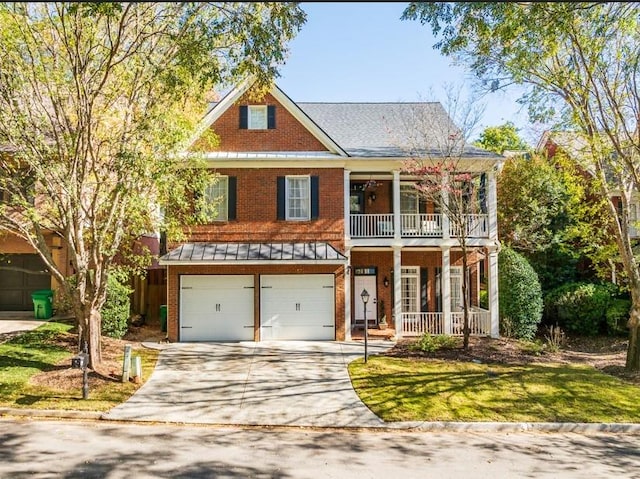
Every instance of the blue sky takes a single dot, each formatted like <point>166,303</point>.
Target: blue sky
<point>364,52</point>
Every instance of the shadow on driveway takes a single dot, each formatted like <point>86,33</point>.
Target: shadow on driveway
<point>292,383</point>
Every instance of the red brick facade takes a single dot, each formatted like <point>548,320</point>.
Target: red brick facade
<point>289,134</point>
<point>256,218</point>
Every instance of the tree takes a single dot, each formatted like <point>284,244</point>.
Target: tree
<point>580,63</point>
<point>547,211</point>
<point>501,138</point>
<point>96,99</point>
<point>443,177</point>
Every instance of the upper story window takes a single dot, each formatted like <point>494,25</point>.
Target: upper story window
<point>257,117</point>
<point>298,197</point>
<point>220,199</point>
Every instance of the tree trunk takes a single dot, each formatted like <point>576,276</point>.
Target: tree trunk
<point>89,332</point>
<point>466,330</point>
<point>633,350</point>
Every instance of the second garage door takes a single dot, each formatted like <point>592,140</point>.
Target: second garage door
<point>297,307</point>
<point>216,308</point>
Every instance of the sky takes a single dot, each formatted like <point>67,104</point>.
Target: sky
<point>363,52</point>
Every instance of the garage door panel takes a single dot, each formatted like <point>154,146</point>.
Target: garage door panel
<point>217,308</point>
<point>16,286</point>
<point>297,307</point>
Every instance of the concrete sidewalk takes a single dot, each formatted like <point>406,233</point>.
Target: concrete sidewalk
<point>292,383</point>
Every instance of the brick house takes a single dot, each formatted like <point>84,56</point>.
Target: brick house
<point>313,210</point>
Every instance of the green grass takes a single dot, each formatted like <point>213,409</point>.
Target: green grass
<point>409,390</point>
<point>41,350</point>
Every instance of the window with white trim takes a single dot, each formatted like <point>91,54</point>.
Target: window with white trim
<point>257,117</point>
<point>298,198</point>
<point>410,281</point>
<point>217,199</point>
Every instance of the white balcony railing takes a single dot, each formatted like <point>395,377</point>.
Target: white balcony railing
<point>417,324</point>
<point>371,226</point>
<point>477,226</point>
<point>414,225</point>
<point>421,225</point>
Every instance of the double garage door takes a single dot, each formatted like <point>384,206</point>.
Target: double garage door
<point>292,307</point>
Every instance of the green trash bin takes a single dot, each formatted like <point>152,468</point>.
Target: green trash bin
<point>163,318</point>
<point>42,303</point>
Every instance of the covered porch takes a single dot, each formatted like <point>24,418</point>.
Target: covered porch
<point>419,290</point>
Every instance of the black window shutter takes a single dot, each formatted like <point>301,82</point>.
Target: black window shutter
<point>483,193</point>
<point>424,297</point>
<point>244,117</point>
<point>232,181</point>
<point>271,117</point>
<point>281,198</point>
<point>315,197</point>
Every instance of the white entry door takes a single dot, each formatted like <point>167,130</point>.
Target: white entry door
<point>369,283</point>
<point>297,307</point>
<point>216,308</point>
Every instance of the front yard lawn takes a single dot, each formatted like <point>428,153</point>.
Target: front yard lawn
<point>35,371</point>
<point>407,389</point>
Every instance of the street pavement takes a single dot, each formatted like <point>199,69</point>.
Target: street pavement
<point>275,383</point>
<point>54,449</point>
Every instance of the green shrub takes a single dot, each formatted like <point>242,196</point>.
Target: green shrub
<point>617,316</point>
<point>579,307</point>
<point>430,344</point>
<point>520,295</point>
<point>116,309</point>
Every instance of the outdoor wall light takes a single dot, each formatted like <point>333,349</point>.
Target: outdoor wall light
<point>385,281</point>
<point>372,198</point>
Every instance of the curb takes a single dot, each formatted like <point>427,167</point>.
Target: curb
<point>458,427</point>
<point>51,413</point>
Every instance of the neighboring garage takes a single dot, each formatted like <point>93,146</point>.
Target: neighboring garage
<point>16,286</point>
<point>216,308</point>
<point>297,307</point>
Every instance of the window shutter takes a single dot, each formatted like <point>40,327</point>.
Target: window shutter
<point>231,197</point>
<point>244,117</point>
<point>281,198</point>
<point>483,193</point>
<point>424,303</point>
<point>315,197</point>
<point>271,117</point>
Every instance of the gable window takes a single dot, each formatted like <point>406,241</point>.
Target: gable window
<point>257,117</point>
<point>220,199</point>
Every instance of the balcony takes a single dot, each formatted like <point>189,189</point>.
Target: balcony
<point>413,226</point>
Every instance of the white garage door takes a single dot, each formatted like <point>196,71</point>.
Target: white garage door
<point>297,307</point>
<point>216,308</point>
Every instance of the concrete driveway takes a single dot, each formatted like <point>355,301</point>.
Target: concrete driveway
<point>292,383</point>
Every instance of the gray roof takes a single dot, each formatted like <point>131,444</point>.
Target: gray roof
<point>389,129</point>
<point>253,252</point>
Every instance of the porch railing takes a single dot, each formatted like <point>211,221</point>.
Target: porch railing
<point>371,226</point>
<point>479,323</point>
<point>476,226</point>
<point>414,225</point>
<point>417,324</point>
<point>422,225</point>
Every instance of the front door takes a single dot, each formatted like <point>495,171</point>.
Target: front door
<point>359,284</point>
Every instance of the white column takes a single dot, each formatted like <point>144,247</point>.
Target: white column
<point>397,233</point>
<point>445,288</point>
<point>444,210</point>
<point>493,292</point>
<point>347,296</point>
<point>492,205</point>
<point>397,289</point>
<point>347,206</point>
